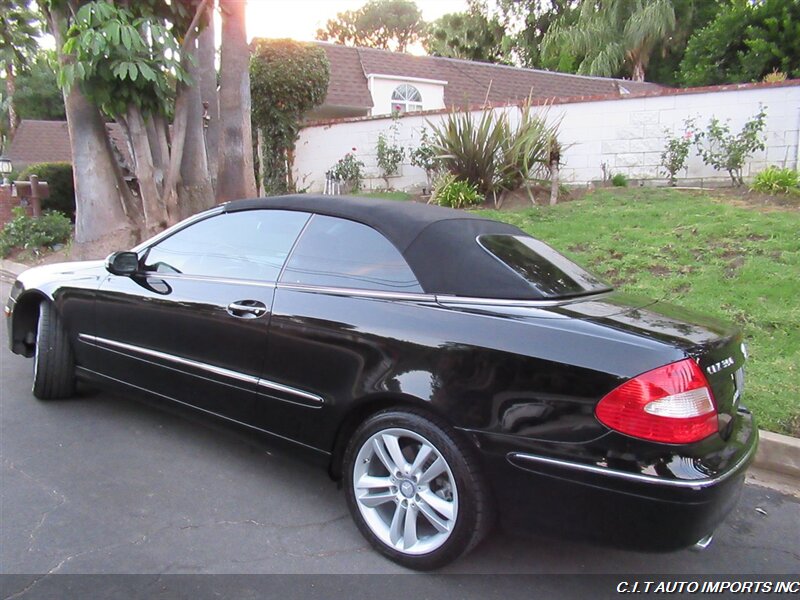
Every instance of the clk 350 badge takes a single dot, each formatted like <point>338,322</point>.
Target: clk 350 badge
<point>717,367</point>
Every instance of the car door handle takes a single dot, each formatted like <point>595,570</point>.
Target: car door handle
<point>247,309</point>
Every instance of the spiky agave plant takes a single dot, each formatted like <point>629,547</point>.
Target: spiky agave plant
<point>493,154</point>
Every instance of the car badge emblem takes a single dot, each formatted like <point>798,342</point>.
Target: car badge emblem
<point>718,366</point>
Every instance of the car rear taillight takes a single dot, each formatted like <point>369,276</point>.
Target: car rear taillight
<point>671,404</point>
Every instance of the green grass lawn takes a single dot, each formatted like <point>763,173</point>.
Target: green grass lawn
<point>738,263</point>
<point>386,195</point>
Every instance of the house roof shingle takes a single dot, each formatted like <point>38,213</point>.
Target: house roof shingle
<point>468,82</point>
<point>37,141</point>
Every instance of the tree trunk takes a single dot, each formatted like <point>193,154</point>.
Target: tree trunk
<point>207,80</point>
<point>553,182</point>
<point>260,155</point>
<point>155,215</point>
<point>195,192</point>
<point>11,88</point>
<point>235,178</point>
<point>100,191</point>
<point>638,70</point>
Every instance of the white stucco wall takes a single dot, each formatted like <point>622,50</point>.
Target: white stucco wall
<point>625,134</point>
<point>382,86</point>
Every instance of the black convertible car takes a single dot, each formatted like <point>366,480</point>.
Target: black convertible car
<point>448,368</point>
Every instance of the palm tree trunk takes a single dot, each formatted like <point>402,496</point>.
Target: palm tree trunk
<point>235,178</point>
<point>553,182</point>
<point>207,79</point>
<point>638,70</point>
<point>11,88</point>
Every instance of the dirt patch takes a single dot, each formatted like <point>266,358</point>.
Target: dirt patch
<point>733,267</point>
<point>745,197</point>
<point>659,270</point>
<point>578,248</point>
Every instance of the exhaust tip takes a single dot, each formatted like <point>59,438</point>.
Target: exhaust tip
<point>703,543</point>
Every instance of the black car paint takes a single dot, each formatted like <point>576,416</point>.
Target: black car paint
<point>516,378</point>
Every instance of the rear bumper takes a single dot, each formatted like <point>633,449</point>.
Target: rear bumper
<point>661,508</point>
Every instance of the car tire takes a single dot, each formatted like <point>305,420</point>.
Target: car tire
<point>415,489</point>
<point>53,362</point>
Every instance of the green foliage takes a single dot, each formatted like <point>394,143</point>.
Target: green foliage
<point>349,169</point>
<point>387,24</point>
<point>774,180</point>
<point>537,18</point>
<point>619,180</point>
<point>123,58</point>
<point>38,95</point>
<point>390,154</point>
<point>27,233</point>
<point>470,35</point>
<point>58,176</point>
<point>690,16</point>
<point>745,42</point>
<point>727,151</point>
<point>676,151</point>
<point>491,153</point>
<point>613,38</point>
<point>737,263</point>
<point>19,27</point>
<point>287,79</point>
<point>455,193</point>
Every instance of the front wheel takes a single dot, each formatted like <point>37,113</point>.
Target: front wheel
<point>53,363</point>
<point>415,490</point>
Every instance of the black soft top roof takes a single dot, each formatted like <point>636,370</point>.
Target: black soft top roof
<point>438,243</point>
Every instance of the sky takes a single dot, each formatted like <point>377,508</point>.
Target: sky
<point>300,19</point>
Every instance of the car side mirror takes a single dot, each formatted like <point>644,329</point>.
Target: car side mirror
<point>122,263</point>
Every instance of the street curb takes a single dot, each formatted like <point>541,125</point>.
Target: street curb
<point>776,453</point>
<point>12,267</point>
<point>779,454</point>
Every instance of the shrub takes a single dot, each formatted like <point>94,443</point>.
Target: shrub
<point>455,193</point>
<point>773,180</point>
<point>29,233</point>
<point>349,169</point>
<point>390,155</point>
<point>58,176</point>
<point>424,156</point>
<point>674,156</point>
<point>491,153</point>
<point>619,180</point>
<point>287,79</point>
<point>724,150</point>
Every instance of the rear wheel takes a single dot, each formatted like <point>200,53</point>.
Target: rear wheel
<point>414,489</point>
<point>53,363</point>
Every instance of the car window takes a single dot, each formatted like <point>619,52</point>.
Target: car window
<point>551,274</point>
<point>251,244</point>
<point>339,253</point>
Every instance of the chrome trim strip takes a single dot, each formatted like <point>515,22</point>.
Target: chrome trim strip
<point>693,484</point>
<point>445,299</point>
<point>376,294</point>
<point>95,340</point>
<point>210,412</point>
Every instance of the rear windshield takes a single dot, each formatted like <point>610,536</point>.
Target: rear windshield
<point>551,274</point>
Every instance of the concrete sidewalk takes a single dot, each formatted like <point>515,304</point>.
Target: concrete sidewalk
<point>777,463</point>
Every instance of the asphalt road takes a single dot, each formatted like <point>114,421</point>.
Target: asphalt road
<point>104,484</point>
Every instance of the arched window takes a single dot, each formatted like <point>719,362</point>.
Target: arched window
<point>406,98</point>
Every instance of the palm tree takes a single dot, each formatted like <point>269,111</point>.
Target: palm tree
<point>613,36</point>
<point>19,27</point>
